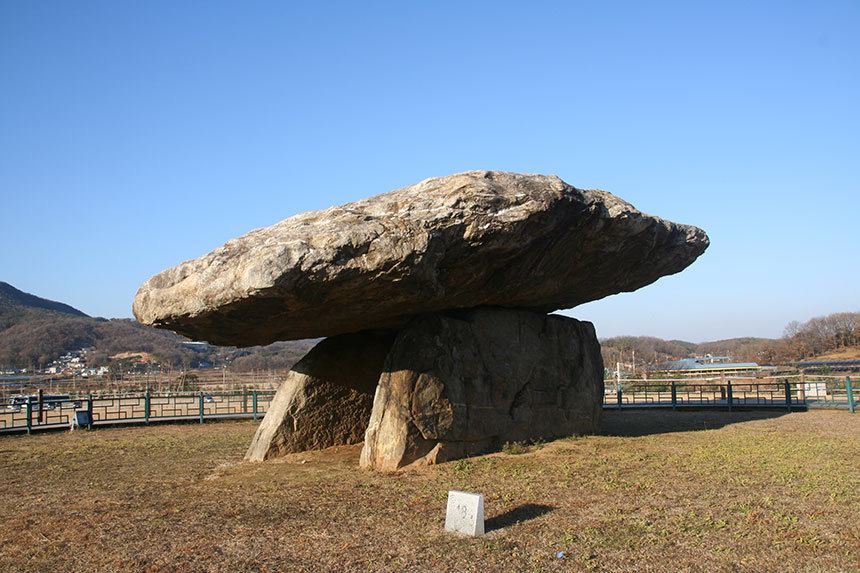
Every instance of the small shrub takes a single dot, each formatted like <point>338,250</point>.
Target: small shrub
<point>515,448</point>
<point>463,467</point>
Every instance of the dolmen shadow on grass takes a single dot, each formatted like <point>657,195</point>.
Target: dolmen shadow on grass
<point>435,302</point>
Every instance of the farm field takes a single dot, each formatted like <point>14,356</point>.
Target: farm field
<point>658,491</point>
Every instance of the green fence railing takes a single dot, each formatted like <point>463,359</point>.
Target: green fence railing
<point>22,413</point>
<point>729,394</point>
<point>30,413</point>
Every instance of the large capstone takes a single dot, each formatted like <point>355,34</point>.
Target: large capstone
<point>459,384</point>
<point>481,238</point>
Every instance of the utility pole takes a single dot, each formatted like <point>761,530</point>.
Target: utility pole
<point>633,365</point>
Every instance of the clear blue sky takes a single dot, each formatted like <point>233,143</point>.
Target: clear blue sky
<point>136,135</point>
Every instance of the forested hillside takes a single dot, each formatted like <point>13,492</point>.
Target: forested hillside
<point>800,341</point>
<point>36,331</point>
<point>17,307</point>
<point>37,343</point>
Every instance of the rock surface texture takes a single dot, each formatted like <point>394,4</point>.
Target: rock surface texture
<point>481,238</point>
<point>326,398</point>
<point>460,384</point>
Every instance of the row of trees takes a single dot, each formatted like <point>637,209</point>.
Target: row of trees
<point>800,341</point>
<point>276,356</point>
<point>822,334</point>
<point>808,340</point>
<point>647,350</point>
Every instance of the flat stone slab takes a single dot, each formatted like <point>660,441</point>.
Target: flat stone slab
<point>481,238</point>
<point>465,513</point>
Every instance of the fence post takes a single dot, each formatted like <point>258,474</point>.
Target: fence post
<point>29,416</point>
<point>255,404</point>
<point>146,407</point>
<point>850,391</point>
<point>729,393</point>
<point>674,397</point>
<point>787,394</point>
<point>200,404</point>
<point>90,411</point>
<point>41,407</point>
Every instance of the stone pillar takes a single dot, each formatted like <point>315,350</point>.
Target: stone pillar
<point>456,384</point>
<point>326,398</point>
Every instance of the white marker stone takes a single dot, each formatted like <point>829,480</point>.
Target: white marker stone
<point>465,513</point>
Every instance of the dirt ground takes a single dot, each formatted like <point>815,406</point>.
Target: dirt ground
<point>658,491</point>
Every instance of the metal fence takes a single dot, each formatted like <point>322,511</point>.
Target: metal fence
<point>789,392</point>
<point>145,407</point>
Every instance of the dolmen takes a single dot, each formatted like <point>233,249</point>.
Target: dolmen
<point>434,301</point>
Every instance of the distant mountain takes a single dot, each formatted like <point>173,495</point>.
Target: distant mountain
<point>17,306</point>
<point>35,331</point>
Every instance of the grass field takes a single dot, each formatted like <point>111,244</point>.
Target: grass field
<point>658,491</point>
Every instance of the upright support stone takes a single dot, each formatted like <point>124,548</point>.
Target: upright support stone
<point>460,384</point>
<point>326,398</point>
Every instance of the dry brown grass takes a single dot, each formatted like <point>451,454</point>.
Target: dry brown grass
<point>661,491</point>
<point>848,353</point>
